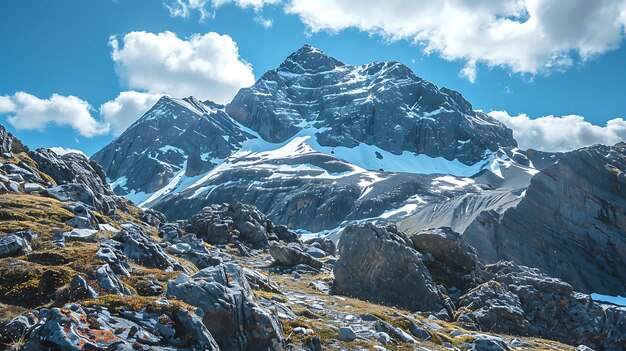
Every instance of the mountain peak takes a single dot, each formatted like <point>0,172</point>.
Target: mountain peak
<point>309,59</point>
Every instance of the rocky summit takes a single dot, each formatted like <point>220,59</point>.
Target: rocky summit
<point>327,207</point>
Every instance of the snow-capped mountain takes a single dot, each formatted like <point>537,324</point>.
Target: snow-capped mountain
<point>381,104</point>
<point>329,142</point>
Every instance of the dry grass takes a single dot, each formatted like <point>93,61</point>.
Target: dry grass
<point>40,214</point>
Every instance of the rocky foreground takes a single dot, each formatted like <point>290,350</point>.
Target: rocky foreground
<point>83,269</point>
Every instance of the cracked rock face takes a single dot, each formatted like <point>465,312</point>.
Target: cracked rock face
<point>228,308</point>
<point>371,261</point>
<point>382,104</point>
<point>576,208</point>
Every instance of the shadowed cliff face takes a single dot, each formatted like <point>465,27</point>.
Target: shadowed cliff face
<point>571,222</point>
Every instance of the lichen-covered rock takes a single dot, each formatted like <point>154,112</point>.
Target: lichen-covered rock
<point>523,301</point>
<point>76,328</point>
<point>380,265</point>
<point>229,309</point>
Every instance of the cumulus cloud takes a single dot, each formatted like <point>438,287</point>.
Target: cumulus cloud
<point>551,133</point>
<point>28,112</point>
<point>525,36</point>
<point>206,66</point>
<point>64,151</point>
<point>126,108</point>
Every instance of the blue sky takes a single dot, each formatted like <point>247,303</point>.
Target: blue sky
<point>63,47</point>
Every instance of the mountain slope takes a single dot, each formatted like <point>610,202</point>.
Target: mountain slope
<point>174,136</point>
<point>571,222</point>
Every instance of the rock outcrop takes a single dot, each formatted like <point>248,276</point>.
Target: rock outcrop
<point>522,301</point>
<point>99,328</point>
<point>137,246</point>
<point>226,223</point>
<point>571,222</point>
<point>9,144</point>
<point>228,308</point>
<point>77,179</point>
<point>380,264</point>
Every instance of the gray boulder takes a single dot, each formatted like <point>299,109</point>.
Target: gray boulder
<point>222,224</point>
<point>193,250</point>
<point>452,262</point>
<point>108,281</point>
<point>380,265</point>
<point>153,218</point>
<point>136,244</point>
<point>79,289</point>
<point>323,243</point>
<point>82,235</point>
<point>292,255</point>
<point>14,244</point>
<point>228,308</point>
<point>346,334</point>
<point>115,258</point>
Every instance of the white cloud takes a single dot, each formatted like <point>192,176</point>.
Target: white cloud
<point>28,112</point>
<point>469,71</point>
<point>206,66</point>
<point>525,36</point>
<point>550,133</point>
<point>184,8</point>
<point>126,108</point>
<point>64,151</point>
